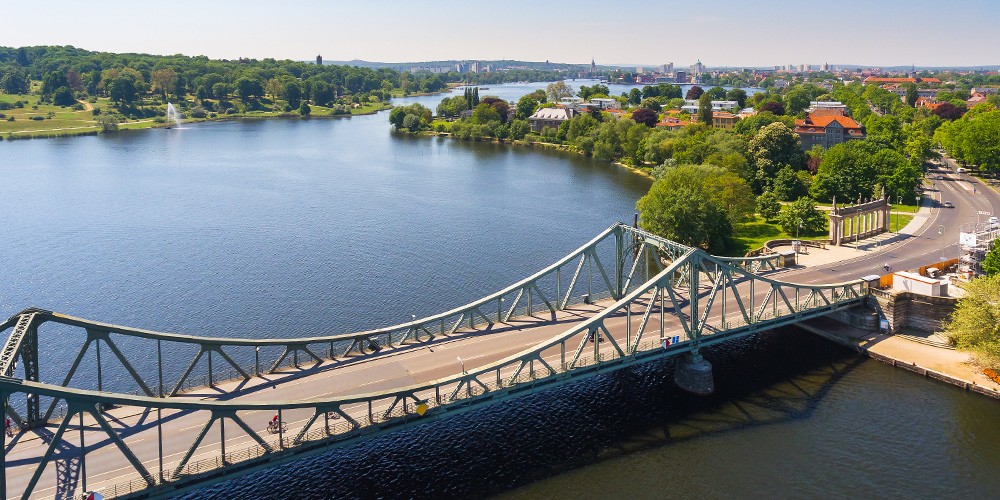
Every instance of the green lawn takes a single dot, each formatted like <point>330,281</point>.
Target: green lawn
<point>753,234</point>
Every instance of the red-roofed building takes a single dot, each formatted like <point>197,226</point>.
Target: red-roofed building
<point>827,128</point>
<point>876,79</point>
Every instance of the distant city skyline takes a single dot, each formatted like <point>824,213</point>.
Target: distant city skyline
<point>764,33</point>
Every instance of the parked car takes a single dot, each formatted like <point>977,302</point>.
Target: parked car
<point>948,204</point>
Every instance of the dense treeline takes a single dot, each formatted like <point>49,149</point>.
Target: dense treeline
<point>762,157</point>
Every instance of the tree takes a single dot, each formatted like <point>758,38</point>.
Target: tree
<point>686,215</point>
<point>15,82</point>
<point>705,109</point>
<point>484,113</point>
<point>248,88</point>
<point>164,81</point>
<point>634,96</point>
<point>123,90</point>
<point>63,96</point>
<point>802,215</point>
<point>738,95</point>
<point>411,122</point>
<point>221,90</point>
<point>696,205</point>
<point>771,148</point>
<point>646,117</point>
<point>304,109</point>
<point>322,93</point>
<point>975,323</point>
<point>292,93</point>
<point>948,111</point>
<point>991,263</point>
<point>108,122</point>
<point>555,91</point>
<point>716,93</point>
<point>773,107</point>
<point>787,185</point>
<point>694,92</point>
<point>526,107</point>
<point>911,95</point>
<point>796,100</point>
<point>768,206</point>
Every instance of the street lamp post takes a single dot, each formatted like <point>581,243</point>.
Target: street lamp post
<point>900,199</point>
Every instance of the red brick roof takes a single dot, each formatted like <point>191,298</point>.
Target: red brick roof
<point>818,120</point>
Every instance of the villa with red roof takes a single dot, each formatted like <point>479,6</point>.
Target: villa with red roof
<point>827,128</point>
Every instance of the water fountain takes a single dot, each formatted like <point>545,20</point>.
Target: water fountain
<point>172,114</point>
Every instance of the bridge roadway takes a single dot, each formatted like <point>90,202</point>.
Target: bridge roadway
<point>106,466</point>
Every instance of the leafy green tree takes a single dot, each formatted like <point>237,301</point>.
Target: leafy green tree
<point>63,96</point>
<point>248,88</point>
<point>108,121</point>
<point>991,263</point>
<point>123,90</point>
<point>15,81</point>
<point>980,139</point>
<point>484,113</point>
<point>975,324</point>
<point>322,93</point>
<point>705,109</point>
<point>716,93</point>
<point>411,122</point>
<point>634,96</point>
<point>685,214</point>
<point>802,215</point>
<point>555,91</point>
<point>788,186</point>
<point>696,205</point>
<point>885,131</point>
<point>304,109</point>
<point>796,101</point>
<point>771,148</point>
<point>221,90</point>
<point>768,206</point>
<point>751,124</point>
<point>52,81</point>
<point>526,106</point>
<point>738,95</point>
<point>292,93</point>
<point>911,95</point>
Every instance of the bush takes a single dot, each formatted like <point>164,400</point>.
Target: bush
<point>198,112</point>
<point>78,107</point>
<point>4,105</point>
<point>2,116</point>
<point>10,118</point>
<point>38,118</point>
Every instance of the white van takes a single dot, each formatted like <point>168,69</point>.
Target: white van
<point>960,170</point>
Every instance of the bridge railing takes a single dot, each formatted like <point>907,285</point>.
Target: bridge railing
<point>605,268</point>
<point>694,301</point>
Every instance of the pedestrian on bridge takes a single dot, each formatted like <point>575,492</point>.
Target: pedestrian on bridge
<point>9,428</point>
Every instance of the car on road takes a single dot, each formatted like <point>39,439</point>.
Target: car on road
<point>948,204</point>
<point>960,170</point>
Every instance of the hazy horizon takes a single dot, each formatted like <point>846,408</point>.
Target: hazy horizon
<point>722,33</point>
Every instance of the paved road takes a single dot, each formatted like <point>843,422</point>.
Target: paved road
<point>105,464</point>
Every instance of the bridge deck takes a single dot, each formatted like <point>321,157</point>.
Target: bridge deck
<point>424,362</point>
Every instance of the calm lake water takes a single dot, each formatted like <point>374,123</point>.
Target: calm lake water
<point>306,227</point>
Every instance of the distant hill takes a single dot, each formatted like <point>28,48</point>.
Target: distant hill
<point>499,64</point>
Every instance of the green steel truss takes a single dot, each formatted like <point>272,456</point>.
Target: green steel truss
<point>663,299</point>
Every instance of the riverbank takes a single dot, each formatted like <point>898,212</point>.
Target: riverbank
<point>946,365</point>
<point>643,171</point>
<point>59,128</point>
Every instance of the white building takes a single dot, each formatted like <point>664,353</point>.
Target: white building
<point>691,106</point>
<point>837,105</point>
<point>912,282</point>
<point>605,103</point>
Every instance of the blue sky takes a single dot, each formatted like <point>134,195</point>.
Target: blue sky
<point>633,32</point>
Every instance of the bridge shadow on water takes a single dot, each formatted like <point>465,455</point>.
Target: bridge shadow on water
<point>763,379</point>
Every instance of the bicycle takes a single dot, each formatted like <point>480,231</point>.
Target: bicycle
<point>272,427</point>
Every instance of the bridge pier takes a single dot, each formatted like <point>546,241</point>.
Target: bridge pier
<point>693,373</point>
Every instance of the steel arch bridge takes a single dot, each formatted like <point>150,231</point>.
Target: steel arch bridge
<point>625,297</point>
